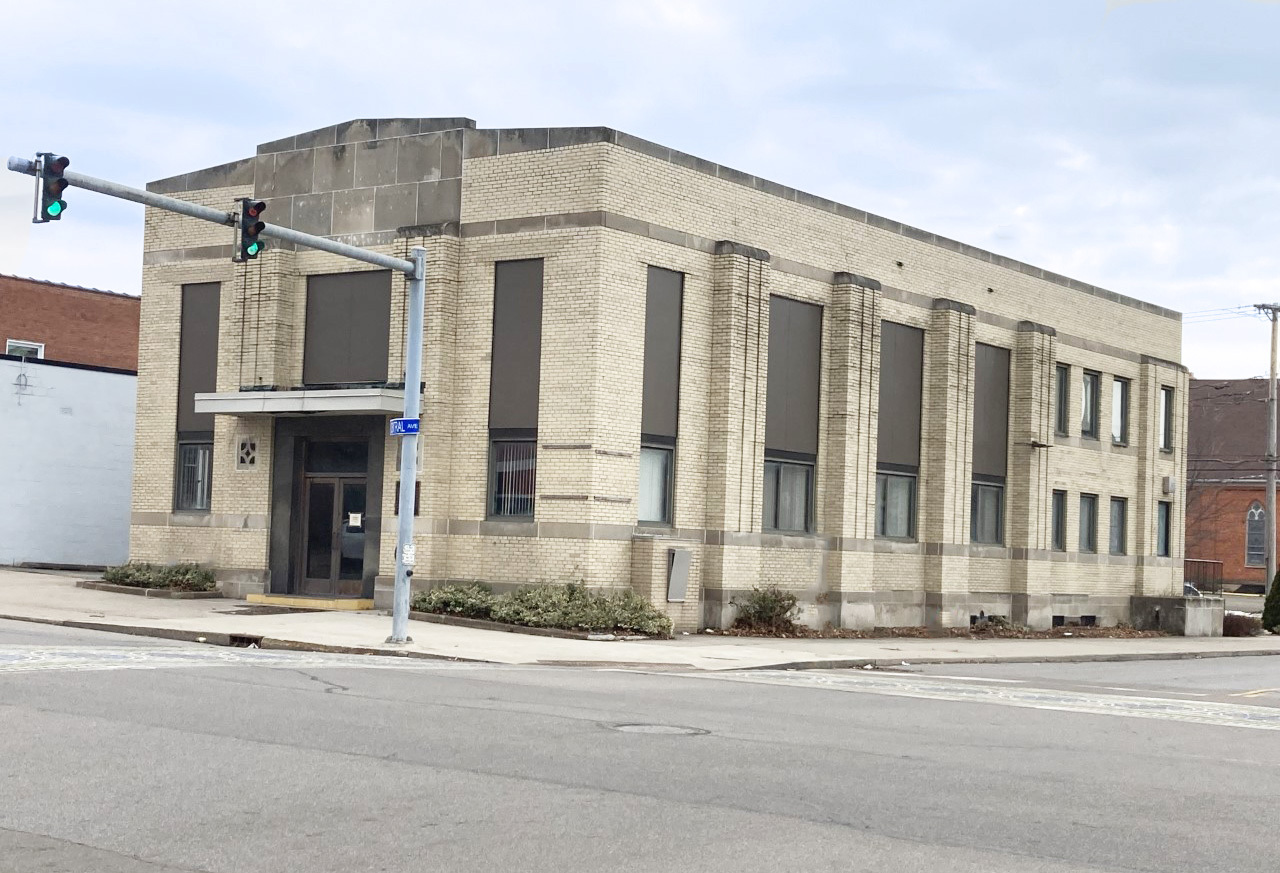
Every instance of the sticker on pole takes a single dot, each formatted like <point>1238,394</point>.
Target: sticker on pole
<point>410,554</point>
<point>404,426</point>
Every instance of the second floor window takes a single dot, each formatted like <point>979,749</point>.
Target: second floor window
<point>1062,416</point>
<point>1089,404</point>
<point>1166,419</point>
<point>1120,412</point>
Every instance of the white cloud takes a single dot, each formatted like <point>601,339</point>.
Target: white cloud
<point>1127,144</point>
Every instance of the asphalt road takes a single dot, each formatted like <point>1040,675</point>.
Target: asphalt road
<point>127,755</point>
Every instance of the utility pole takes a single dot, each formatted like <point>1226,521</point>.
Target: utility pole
<point>1270,310</point>
<point>53,171</point>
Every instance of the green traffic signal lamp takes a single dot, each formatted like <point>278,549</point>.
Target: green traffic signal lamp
<point>53,184</point>
<point>250,226</point>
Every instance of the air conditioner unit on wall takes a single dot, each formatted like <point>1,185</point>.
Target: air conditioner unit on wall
<point>1170,484</point>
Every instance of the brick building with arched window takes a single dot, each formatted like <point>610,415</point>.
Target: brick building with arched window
<point>1226,477</point>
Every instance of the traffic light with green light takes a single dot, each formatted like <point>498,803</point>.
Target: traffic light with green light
<point>251,225</point>
<point>52,185</point>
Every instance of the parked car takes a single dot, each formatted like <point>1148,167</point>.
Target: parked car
<point>1189,590</point>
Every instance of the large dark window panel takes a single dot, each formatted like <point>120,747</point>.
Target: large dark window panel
<point>348,328</point>
<point>517,345</point>
<point>990,412</point>
<point>901,378</point>
<point>197,354</point>
<point>663,302</point>
<point>795,355</point>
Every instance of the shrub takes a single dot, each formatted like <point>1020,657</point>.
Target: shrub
<point>574,607</point>
<point>767,608</point>
<point>176,577</point>
<point>469,601</point>
<point>1236,624</point>
<point>1271,609</point>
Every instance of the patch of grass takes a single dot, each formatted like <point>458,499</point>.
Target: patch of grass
<point>768,609</point>
<point>566,607</point>
<point>1236,625</point>
<point>174,577</point>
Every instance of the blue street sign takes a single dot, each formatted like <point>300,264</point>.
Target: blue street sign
<point>404,426</point>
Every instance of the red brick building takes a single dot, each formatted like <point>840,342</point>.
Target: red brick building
<point>1226,477</point>
<point>68,323</point>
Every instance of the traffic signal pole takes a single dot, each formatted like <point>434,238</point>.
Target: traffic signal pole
<point>217,216</point>
<point>415,270</point>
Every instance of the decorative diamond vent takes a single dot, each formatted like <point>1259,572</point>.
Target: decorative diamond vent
<point>247,454</point>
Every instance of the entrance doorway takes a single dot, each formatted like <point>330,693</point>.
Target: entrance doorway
<point>334,496</point>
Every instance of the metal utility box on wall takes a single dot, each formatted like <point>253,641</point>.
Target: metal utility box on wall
<point>677,574</point>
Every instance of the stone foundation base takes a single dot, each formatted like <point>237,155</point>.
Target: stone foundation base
<point>239,584</point>
<point>864,610</point>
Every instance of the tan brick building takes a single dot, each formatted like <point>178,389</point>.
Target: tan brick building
<point>639,363</point>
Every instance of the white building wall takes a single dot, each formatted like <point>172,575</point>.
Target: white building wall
<point>66,462</point>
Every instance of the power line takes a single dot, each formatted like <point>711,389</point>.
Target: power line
<point>1220,317</point>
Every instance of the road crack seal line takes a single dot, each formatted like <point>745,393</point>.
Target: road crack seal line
<point>329,687</point>
<point>1190,711</point>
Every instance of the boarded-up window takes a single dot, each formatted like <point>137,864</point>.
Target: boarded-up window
<point>197,355</point>
<point>795,354</point>
<point>661,355</point>
<point>348,328</point>
<point>517,345</point>
<point>901,377</point>
<point>990,413</point>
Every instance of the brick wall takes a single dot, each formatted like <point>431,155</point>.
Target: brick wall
<point>79,325</point>
<point>1216,516</point>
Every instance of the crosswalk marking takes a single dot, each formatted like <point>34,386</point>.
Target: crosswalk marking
<point>19,659</point>
<point>931,688</point>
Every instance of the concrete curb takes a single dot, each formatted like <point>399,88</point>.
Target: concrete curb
<point>851,663</point>
<point>164,593</point>
<point>245,640</point>
<point>214,638</point>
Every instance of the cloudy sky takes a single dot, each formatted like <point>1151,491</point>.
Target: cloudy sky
<point>1127,143</point>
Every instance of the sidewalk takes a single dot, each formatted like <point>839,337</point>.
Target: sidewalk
<point>53,598</point>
